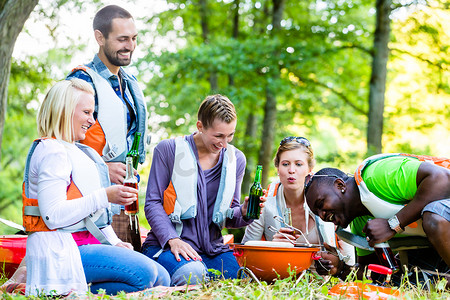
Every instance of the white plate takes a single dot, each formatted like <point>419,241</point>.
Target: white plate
<point>269,244</point>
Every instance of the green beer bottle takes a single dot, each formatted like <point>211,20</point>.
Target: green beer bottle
<point>256,191</point>
<point>134,153</point>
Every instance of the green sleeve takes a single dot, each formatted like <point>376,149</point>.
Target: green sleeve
<point>393,179</point>
<point>356,227</point>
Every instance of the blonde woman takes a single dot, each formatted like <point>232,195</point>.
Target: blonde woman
<point>66,187</point>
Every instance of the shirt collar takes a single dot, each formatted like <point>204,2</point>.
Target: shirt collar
<point>101,68</point>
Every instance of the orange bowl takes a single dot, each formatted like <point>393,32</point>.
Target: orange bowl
<point>269,262</point>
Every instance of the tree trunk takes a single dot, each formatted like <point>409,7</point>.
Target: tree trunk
<point>13,14</point>
<point>250,138</point>
<point>378,77</point>
<point>270,108</point>
<point>204,14</point>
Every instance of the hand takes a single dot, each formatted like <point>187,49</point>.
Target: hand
<point>261,204</point>
<point>329,261</point>
<point>177,246</point>
<point>122,195</point>
<point>288,234</point>
<point>124,245</point>
<point>378,231</point>
<point>117,172</point>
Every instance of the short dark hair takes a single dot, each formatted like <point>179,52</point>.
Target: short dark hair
<point>325,176</point>
<point>103,18</point>
<point>216,107</point>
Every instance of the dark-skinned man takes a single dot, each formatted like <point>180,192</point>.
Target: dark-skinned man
<point>389,195</point>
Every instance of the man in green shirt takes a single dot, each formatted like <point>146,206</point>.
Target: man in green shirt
<point>390,193</point>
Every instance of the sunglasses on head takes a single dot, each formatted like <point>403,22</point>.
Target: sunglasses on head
<point>298,139</point>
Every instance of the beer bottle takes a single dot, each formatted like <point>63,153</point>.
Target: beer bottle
<point>256,191</point>
<point>134,153</point>
<point>131,181</point>
<point>386,257</point>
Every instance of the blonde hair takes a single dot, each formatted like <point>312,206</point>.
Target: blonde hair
<point>292,145</point>
<point>216,107</point>
<point>54,119</point>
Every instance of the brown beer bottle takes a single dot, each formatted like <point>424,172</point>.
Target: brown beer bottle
<point>256,191</point>
<point>131,181</point>
<point>386,257</point>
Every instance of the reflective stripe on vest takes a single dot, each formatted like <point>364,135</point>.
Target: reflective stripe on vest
<point>383,209</point>
<point>180,197</point>
<point>81,180</point>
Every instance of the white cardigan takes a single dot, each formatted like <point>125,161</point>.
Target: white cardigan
<point>52,257</point>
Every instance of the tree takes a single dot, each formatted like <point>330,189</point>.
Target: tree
<point>13,14</point>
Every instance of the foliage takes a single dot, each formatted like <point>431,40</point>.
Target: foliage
<point>305,286</point>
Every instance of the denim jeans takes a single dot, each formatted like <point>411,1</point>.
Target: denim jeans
<point>116,269</point>
<point>192,272</point>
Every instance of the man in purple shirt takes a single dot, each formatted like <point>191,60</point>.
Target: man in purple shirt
<point>189,248</point>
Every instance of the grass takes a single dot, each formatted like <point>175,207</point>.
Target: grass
<point>305,286</point>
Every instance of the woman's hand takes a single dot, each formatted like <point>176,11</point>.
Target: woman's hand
<point>177,246</point>
<point>261,204</point>
<point>124,245</point>
<point>122,195</point>
<point>288,234</point>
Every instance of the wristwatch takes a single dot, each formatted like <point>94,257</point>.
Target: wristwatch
<point>395,224</point>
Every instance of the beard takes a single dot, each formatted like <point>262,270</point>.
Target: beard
<point>114,59</point>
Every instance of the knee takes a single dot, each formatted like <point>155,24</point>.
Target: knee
<point>433,224</point>
<point>190,273</point>
<point>151,274</point>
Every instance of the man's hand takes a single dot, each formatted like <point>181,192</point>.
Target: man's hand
<point>378,231</point>
<point>329,261</point>
<point>117,172</point>
<point>177,246</point>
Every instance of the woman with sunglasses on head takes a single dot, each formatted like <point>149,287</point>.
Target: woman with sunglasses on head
<point>285,199</point>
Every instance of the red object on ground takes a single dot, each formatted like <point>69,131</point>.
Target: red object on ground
<point>12,251</point>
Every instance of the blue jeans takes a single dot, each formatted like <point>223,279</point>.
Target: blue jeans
<point>116,269</point>
<point>192,272</point>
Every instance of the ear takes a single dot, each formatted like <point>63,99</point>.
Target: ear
<point>340,185</point>
<point>99,37</point>
<point>200,127</point>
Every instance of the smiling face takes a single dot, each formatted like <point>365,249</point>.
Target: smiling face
<point>118,47</point>
<point>293,168</point>
<point>217,136</point>
<point>83,116</point>
<point>328,202</point>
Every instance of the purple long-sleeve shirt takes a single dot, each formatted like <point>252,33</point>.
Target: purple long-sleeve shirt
<point>200,232</point>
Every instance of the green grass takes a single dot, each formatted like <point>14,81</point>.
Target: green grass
<point>305,286</point>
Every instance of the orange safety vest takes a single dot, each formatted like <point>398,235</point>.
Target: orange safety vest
<point>36,223</point>
<point>32,219</point>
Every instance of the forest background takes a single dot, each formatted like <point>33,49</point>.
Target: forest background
<point>356,77</point>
